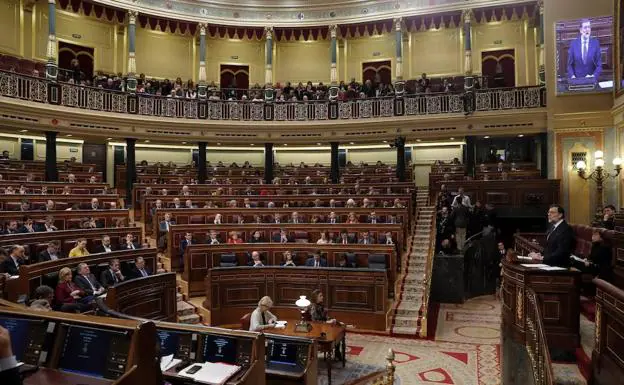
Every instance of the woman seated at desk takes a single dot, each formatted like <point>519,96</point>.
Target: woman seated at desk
<point>262,318</point>
<point>319,313</point>
<point>68,296</point>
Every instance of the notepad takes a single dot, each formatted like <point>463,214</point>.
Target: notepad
<point>212,373</point>
<point>536,265</point>
<point>523,257</point>
<point>280,324</point>
<point>168,362</point>
<point>552,268</point>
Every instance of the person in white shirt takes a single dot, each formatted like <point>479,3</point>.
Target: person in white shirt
<point>217,219</point>
<point>461,197</point>
<point>261,318</point>
<point>323,240</point>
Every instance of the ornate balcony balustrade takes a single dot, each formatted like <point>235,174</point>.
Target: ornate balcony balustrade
<point>40,90</point>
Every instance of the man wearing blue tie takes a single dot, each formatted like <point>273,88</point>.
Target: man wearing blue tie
<point>584,59</point>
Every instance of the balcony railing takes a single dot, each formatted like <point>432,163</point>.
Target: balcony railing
<point>40,90</point>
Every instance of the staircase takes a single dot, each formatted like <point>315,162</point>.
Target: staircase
<point>408,309</point>
<point>187,313</point>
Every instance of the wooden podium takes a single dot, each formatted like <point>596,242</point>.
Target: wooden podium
<point>558,297</point>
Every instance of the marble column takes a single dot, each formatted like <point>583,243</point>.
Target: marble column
<point>201,87</point>
<point>335,165</point>
<point>541,71</point>
<point>398,28</point>
<point>51,65</point>
<point>333,54</point>
<point>268,163</point>
<point>400,156</point>
<point>468,79</point>
<point>130,167</point>
<point>201,163</point>
<point>131,82</point>
<point>268,63</point>
<point>51,168</point>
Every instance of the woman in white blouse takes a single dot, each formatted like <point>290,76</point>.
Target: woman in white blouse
<point>262,318</point>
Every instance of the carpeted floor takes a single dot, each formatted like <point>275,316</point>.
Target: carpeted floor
<point>465,350</point>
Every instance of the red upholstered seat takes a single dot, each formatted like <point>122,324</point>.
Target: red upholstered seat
<point>245,321</point>
<point>196,219</point>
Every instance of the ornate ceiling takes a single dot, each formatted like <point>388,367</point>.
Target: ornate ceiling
<point>294,13</point>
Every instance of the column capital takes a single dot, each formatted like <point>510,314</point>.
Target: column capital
<point>132,16</point>
<point>268,32</point>
<point>540,4</point>
<point>398,24</point>
<point>202,28</point>
<point>333,31</point>
<point>467,15</point>
<point>51,1</point>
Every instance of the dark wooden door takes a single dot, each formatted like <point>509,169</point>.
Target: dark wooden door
<point>234,76</point>
<point>85,55</point>
<point>95,153</point>
<point>377,71</point>
<point>499,67</point>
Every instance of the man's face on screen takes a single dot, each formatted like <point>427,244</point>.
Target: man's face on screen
<point>585,29</point>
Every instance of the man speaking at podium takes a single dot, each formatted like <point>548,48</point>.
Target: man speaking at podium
<point>584,60</point>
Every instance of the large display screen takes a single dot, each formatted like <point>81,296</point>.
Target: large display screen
<point>584,61</point>
<point>86,351</point>
<point>219,349</point>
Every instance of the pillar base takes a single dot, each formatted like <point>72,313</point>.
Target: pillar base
<point>468,82</point>
<point>202,91</point>
<point>131,84</point>
<point>333,92</point>
<point>269,94</point>
<point>399,88</point>
<point>51,70</point>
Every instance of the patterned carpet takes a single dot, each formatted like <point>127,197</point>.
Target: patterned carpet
<point>465,350</point>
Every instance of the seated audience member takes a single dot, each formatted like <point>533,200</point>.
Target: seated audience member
<point>105,246</point>
<point>373,218</point>
<point>261,317</point>
<point>92,179</point>
<point>343,261</point>
<point>43,298</point>
<point>294,218</point>
<point>256,261</point>
<point>258,219</point>
<point>352,219</point>
<point>80,250</point>
<point>188,204</point>
<point>71,178</point>
<point>15,259</point>
<point>66,190</point>
<point>90,223</point>
<point>129,243</point>
<point>276,218</point>
<point>234,238</point>
<point>213,238</point>
<point>28,226</point>
<point>282,237</point>
<point>323,240</point>
<point>344,238</point>
<point>157,206</point>
<point>52,253</point>
<point>112,275</point>
<point>387,239</point>
<point>256,237</point>
<point>95,204</point>
<point>366,239</point>
<point>12,228</point>
<point>86,281</point>
<point>176,204</point>
<point>184,243</point>
<point>598,263</point>
<point>166,223</point>
<point>559,240</point>
<point>217,219</point>
<point>50,205</point>
<point>48,225</point>
<point>139,270</point>
<point>25,206</point>
<point>316,261</point>
<point>288,261</point>
<point>608,217</point>
<point>68,297</point>
<point>333,219</point>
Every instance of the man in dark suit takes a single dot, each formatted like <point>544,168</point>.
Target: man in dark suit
<point>11,227</point>
<point>9,370</point>
<point>86,281</point>
<point>51,253</point>
<point>366,239</point>
<point>282,237</point>
<point>559,240</point>
<point>106,246</point>
<point>15,259</point>
<point>333,218</point>
<point>374,219</point>
<point>584,58</point>
<point>188,240</point>
<point>316,261</point>
<point>344,238</point>
<point>213,238</point>
<point>112,275</point>
<point>166,223</point>
<point>139,270</point>
<point>130,243</point>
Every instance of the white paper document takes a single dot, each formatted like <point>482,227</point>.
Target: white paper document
<point>212,373</point>
<point>168,362</point>
<point>577,258</point>
<point>280,324</point>
<point>523,257</point>
<point>552,268</point>
<point>536,265</point>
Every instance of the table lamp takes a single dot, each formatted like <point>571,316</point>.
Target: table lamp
<point>303,326</point>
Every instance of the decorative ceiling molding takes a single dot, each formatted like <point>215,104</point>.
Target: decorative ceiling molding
<point>290,14</point>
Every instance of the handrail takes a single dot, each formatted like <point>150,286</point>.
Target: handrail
<point>428,274</point>
<point>41,90</point>
<point>536,342</point>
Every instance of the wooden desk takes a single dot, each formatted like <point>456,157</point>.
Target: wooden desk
<point>199,258</point>
<point>558,297</point>
<point>57,187</point>
<point>608,353</point>
<point>45,376</point>
<point>326,336</point>
<point>353,296</point>
<point>67,220</point>
<point>152,297</point>
<point>12,202</point>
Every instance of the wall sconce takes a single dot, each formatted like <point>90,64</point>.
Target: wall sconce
<point>599,175</point>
